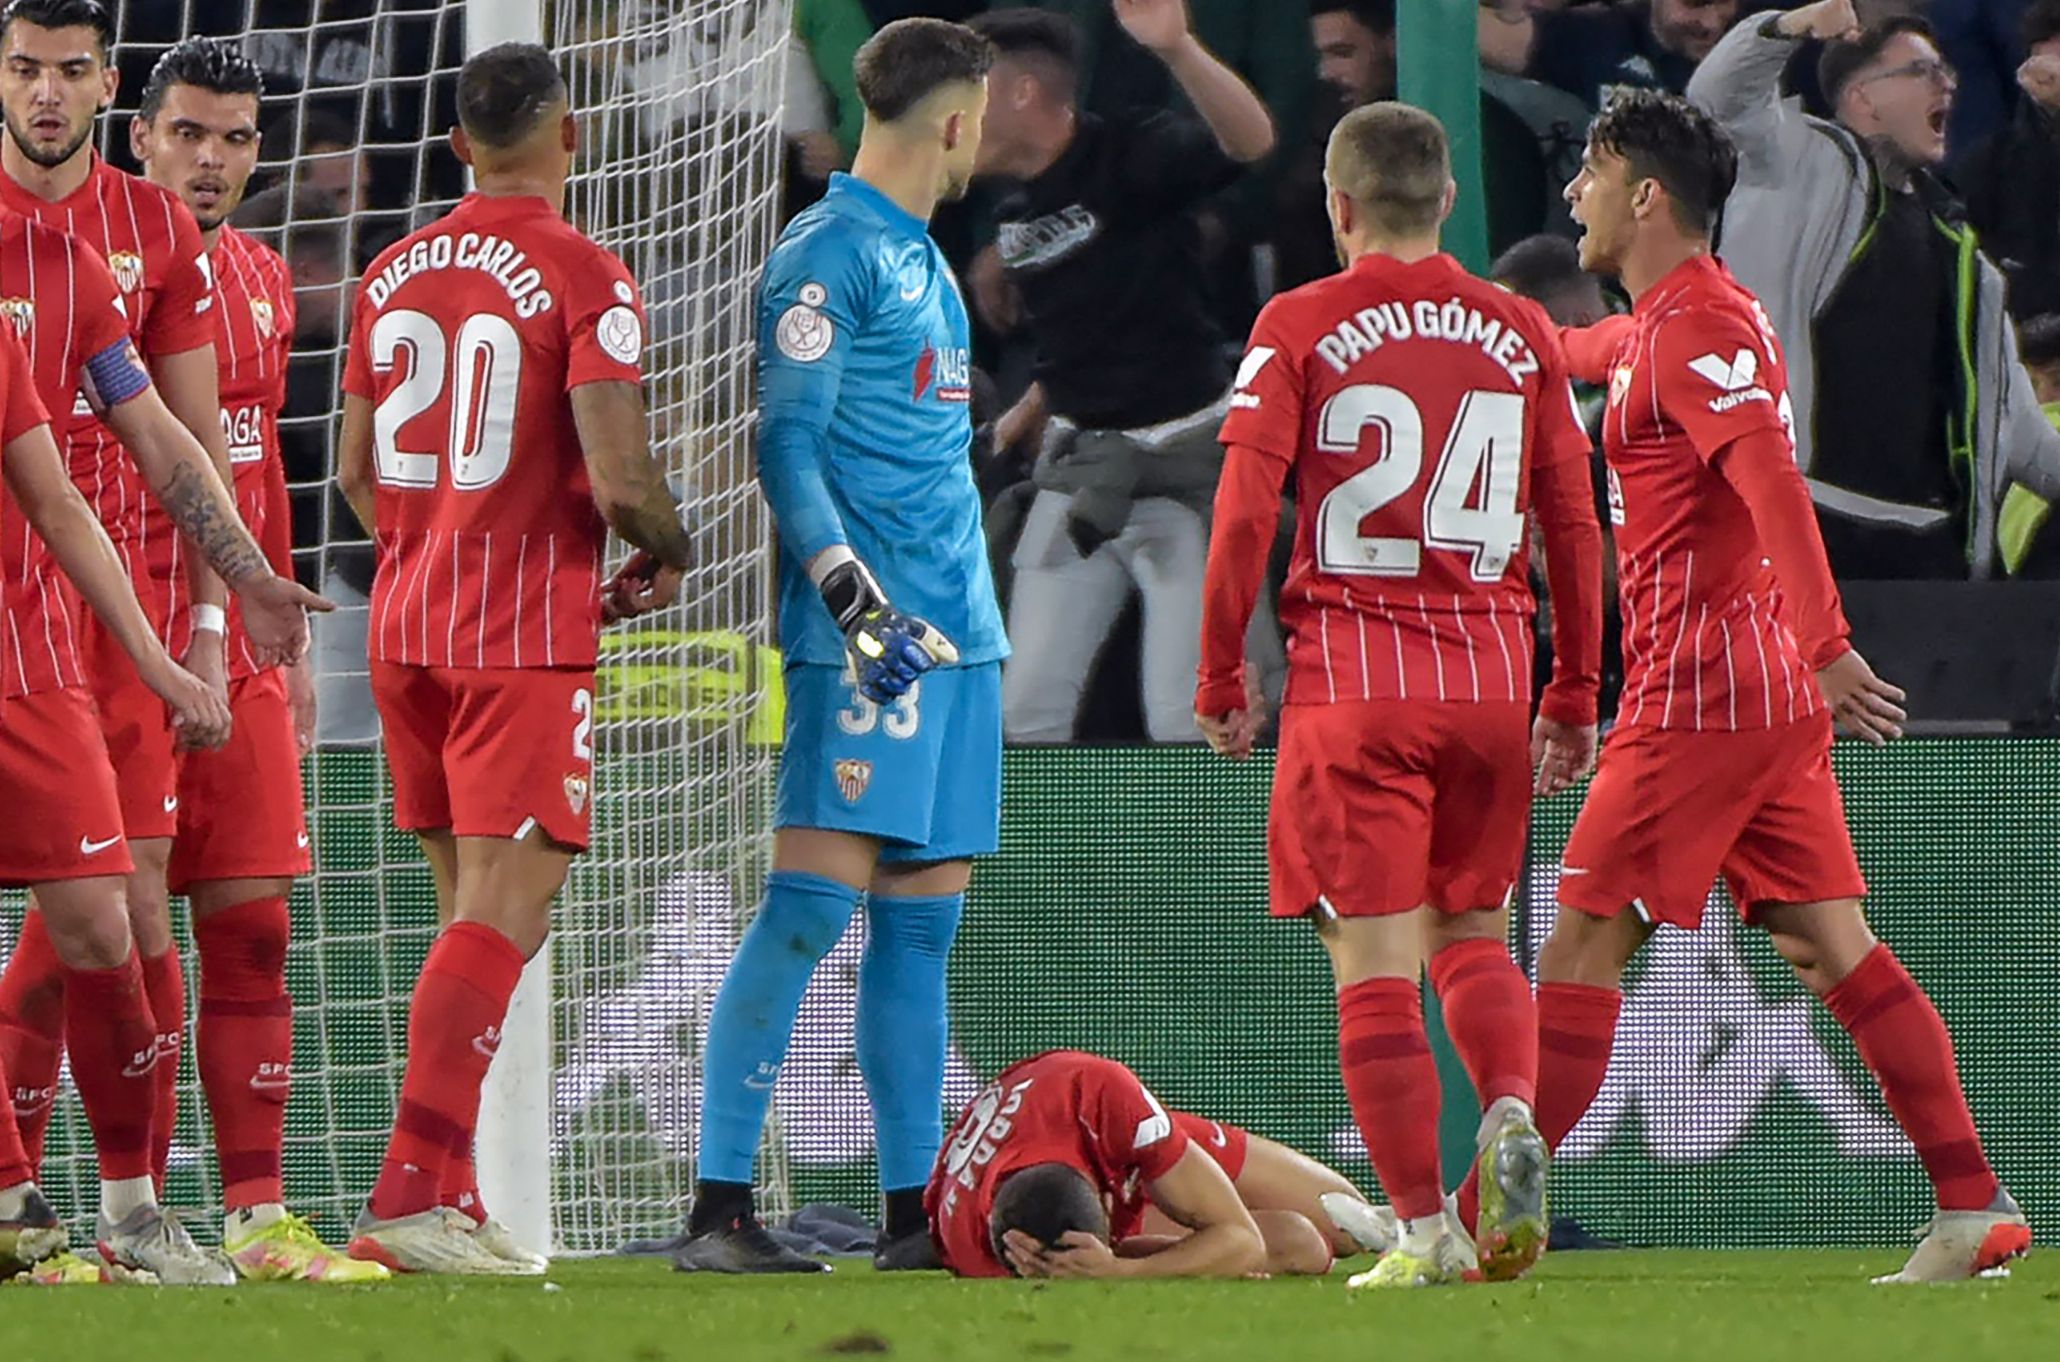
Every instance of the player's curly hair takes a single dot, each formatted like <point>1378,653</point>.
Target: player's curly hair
<point>1045,1200</point>
<point>1665,138</point>
<point>211,64</point>
<point>55,14</point>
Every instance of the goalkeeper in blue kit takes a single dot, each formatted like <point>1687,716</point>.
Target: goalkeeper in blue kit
<point>890,779</point>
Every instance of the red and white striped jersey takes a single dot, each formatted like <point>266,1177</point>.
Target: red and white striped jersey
<point>20,412</point>
<point>152,244</point>
<point>254,317</point>
<point>59,300</point>
<point>1416,407</point>
<point>1707,638</point>
<point>468,338</point>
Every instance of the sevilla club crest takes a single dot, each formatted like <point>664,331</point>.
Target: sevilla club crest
<point>20,313</point>
<point>853,776</point>
<point>128,269</point>
<point>576,792</point>
<point>262,317</point>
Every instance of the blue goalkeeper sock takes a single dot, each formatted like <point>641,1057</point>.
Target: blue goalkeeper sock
<point>902,1028</point>
<point>803,917</point>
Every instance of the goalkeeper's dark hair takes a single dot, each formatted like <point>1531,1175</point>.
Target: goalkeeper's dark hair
<point>1665,138</point>
<point>1047,43</point>
<point>2038,340</point>
<point>211,64</point>
<point>911,59</point>
<point>505,92</point>
<point>55,14</point>
<point>1045,1201</point>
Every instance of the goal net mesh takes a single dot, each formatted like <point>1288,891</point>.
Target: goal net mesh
<point>678,174</point>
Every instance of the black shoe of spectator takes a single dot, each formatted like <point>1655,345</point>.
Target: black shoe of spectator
<point>742,1246</point>
<point>911,1252</point>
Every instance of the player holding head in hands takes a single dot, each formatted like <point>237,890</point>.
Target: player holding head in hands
<point>151,460</point>
<point>1737,661</point>
<point>242,834</point>
<point>65,843</point>
<point>493,431</point>
<point>1425,415</point>
<point>890,779</point>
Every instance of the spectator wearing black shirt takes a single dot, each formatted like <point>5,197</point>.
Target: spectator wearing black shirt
<point>1592,51</point>
<point>2012,182</point>
<point>1099,242</point>
<point>1355,66</point>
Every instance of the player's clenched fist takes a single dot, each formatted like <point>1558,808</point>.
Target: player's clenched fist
<point>200,716</point>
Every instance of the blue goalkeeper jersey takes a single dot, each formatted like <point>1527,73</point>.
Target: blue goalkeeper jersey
<point>864,381</point>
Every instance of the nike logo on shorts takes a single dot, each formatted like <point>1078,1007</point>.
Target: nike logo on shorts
<point>89,847</point>
<point>171,803</point>
<point>1217,1135</point>
<point>301,840</point>
<point>1573,870</point>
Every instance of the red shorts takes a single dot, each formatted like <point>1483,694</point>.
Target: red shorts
<point>64,820</point>
<point>1670,811</point>
<point>1225,1143</point>
<point>1381,806</point>
<point>242,812</point>
<point>489,752</point>
<point>138,730</point>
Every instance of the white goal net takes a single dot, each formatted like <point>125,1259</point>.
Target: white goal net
<point>679,174</point>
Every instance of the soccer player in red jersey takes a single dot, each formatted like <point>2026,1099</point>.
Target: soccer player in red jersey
<point>107,1020</point>
<point>1052,1170</point>
<point>242,834</point>
<point>1737,661</point>
<point>54,80</point>
<point>499,318</point>
<point>1426,417</point>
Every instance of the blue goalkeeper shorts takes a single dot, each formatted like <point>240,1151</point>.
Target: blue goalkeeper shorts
<point>922,774</point>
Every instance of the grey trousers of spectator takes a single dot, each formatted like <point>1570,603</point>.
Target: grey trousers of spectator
<point>1063,607</point>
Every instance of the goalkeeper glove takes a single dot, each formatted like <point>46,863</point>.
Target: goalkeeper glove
<point>888,649</point>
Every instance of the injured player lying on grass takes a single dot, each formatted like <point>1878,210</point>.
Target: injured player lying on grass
<point>1067,1166</point>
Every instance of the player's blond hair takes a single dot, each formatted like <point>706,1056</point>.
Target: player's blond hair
<point>1391,161</point>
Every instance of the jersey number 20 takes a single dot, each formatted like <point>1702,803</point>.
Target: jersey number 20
<point>482,366</point>
<point>1471,507</point>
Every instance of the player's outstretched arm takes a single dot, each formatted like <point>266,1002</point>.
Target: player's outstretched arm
<point>1240,538</point>
<point>37,480</point>
<point>1233,112</point>
<point>630,492</point>
<point>1761,467</point>
<point>183,477</point>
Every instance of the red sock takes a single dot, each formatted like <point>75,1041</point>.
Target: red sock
<point>14,1160</point>
<point>1905,1044</point>
<point>454,1026</point>
<point>245,1038</point>
<point>1392,1082</point>
<point>1490,1017</point>
<point>113,1044</point>
<point>32,1032</point>
<point>164,984</point>
<point>1577,1026</point>
<point>459,1186</point>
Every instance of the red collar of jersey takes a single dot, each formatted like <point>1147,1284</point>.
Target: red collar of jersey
<point>1694,272</point>
<point>495,207</point>
<point>1431,266</point>
<point>21,199</point>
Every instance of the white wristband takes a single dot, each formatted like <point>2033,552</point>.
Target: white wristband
<point>210,619</point>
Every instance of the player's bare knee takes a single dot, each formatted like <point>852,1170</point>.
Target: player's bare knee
<point>1294,1246</point>
<point>88,922</point>
<point>1584,949</point>
<point>1822,942</point>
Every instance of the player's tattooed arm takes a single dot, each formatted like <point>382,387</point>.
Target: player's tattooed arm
<point>189,383</point>
<point>629,485</point>
<point>198,505</point>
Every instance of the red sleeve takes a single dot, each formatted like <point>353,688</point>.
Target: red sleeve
<point>1132,1125</point>
<point>1563,498</point>
<point>604,324</point>
<point>181,317</point>
<point>99,317</point>
<point>1760,465</point>
<point>24,410</point>
<point>1590,350</point>
<point>1266,407</point>
<point>357,356</point>
<point>1240,540</point>
<point>288,320</point>
<point>1712,373</point>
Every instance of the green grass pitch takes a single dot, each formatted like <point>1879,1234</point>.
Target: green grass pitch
<point>1642,1306</point>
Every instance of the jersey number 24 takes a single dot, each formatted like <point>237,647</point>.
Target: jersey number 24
<point>1471,506</point>
<point>482,365</point>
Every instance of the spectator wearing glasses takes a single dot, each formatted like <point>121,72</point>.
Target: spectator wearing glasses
<point>1912,414</point>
